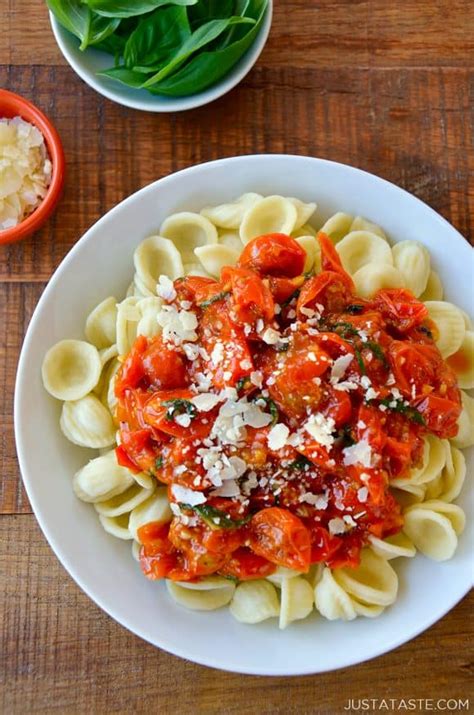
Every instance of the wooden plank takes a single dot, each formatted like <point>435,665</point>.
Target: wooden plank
<point>326,33</point>
<point>60,653</point>
<point>17,302</point>
<point>411,127</point>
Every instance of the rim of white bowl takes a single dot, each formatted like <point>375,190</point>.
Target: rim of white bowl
<point>169,104</point>
<point>21,399</point>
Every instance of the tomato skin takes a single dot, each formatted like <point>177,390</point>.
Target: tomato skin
<point>131,373</point>
<point>140,449</point>
<point>124,460</point>
<point>251,298</point>
<point>281,537</point>
<point>274,254</point>
<point>373,431</point>
<point>245,565</point>
<point>283,288</point>
<point>413,365</point>
<point>323,545</point>
<point>164,368</point>
<point>400,308</point>
<point>157,555</point>
<point>337,405</point>
<point>333,290</point>
<point>330,260</point>
<point>440,414</point>
<point>197,289</point>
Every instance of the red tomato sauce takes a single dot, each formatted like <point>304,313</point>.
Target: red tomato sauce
<point>313,400</point>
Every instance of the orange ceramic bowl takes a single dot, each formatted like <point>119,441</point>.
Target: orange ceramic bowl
<point>12,105</point>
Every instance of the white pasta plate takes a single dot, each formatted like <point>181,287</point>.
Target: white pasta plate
<point>100,265</point>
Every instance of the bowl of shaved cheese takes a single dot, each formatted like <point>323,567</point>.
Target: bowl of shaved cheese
<point>31,167</point>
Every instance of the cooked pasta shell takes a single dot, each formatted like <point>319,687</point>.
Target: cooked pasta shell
<point>71,369</point>
<point>195,269</point>
<point>462,362</point>
<point>409,494</point>
<point>306,230</point>
<point>273,214</point>
<point>116,526</point>
<point>140,290</point>
<point>434,527</point>
<point>156,256</point>
<point>107,354</point>
<point>373,582</point>
<point>231,239</point>
<point>314,574</point>
<point>155,508</point>
<point>130,290</point>
<point>313,253</point>
<point>368,610</point>
<point>281,574</point>
<point>450,326</point>
<point>296,600</point>
<point>254,601</point>
<point>465,435</point>
<point>188,231</point>
<point>303,212</point>
<point>434,288</point>
<point>337,226</point>
<point>434,459</point>
<point>148,323</point>
<point>413,261</point>
<point>214,258</point>
<point>101,478</point>
<point>230,215</point>
<point>123,503</point>
<point>362,224</point>
<point>88,423</point>
<point>360,248</point>
<point>101,328</point>
<point>374,276</point>
<point>107,395</point>
<point>392,547</point>
<point>208,594</point>
<point>331,600</point>
<point>136,546</point>
<point>128,317</point>
<point>448,484</point>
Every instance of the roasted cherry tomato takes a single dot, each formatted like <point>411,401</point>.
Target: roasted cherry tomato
<point>274,254</point>
<point>400,308</point>
<point>244,565</point>
<point>331,290</point>
<point>251,298</point>
<point>281,537</point>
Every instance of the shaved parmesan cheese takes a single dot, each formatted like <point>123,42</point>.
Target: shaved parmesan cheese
<point>277,436</point>
<point>178,326</point>
<point>340,366</point>
<point>321,428</point>
<point>337,526</point>
<point>165,288</point>
<point>25,170</point>
<point>271,337</point>
<point>359,453</point>
<point>228,489</point>
<point>205,401</point>
<point>184,495</point>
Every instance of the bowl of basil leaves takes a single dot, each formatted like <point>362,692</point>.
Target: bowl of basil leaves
<point>161,55</point>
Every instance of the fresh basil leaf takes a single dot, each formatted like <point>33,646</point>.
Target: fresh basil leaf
<point>199,38</point>
<point>210,10</point>
<point>179,406</point>
<point>72,15</point>
<point>407,410</point>
<point>114,45</point>
<point>100,29</point>
<point>215,299</point>
<point>157,36</point>
<point>123,75</point>
<point>131,8</point>
<point>215,518</point>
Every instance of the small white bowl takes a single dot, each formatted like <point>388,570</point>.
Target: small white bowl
<point>101,264</point>
<point>86,64</point>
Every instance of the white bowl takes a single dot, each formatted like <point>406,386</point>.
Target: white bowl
<point>100,264</point>
<point>86,64</point>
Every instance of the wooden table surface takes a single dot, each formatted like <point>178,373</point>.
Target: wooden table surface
<point>385,85</point>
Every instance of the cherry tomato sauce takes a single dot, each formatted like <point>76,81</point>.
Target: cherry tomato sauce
<point>348,388</point>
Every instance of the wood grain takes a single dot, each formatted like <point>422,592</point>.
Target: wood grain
<point>383,85</point>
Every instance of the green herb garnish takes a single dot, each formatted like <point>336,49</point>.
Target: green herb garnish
<point>170,47</point>
<point>215,518</point>
<point>354,309</point>
<point>179,407</point>
<point>271,406</point>
<point>399,406</point>
<point>299,463</point>
<point>360,361</point>
<point>158,462</point>
<point>292,297</point>
<point>215,299</point>
<point>243,384</point>
<point>377,351</point>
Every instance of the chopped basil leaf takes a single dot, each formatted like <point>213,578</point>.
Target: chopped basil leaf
<point>360,361</point>
<point>292,297</point>
<point>177,407</point>
<point>403,409</point>
<point>271,406</point>
<point>354,309</point>
<point>215,518</point>
<point>158,462</point>
<point>300,462</point>
<point>377,351</point>
<point>215,299</point>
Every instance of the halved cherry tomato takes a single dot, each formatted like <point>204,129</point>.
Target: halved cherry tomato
<point>196,560</point>
<point>330,289</point>
<point>440,415</point>
<point>157,554</point>
<point>330,260</point>
<point>131,373</point>
<point>245,565</point>
<point>400,308</point>
<point>414,366</point>
<point>283,289</point>
<point>164,366</point>
<point>140,449</point>
<point>281,537</point>
<point>274,254</point>
<point>323,544</point>
<point>337,405</point>
<point>251,298</point>
<point>197,289</point>
<point>347,554</point>
<point>370,426</point>
<point>163,409</point>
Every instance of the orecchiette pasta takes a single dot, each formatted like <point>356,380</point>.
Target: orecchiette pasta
<point>100,327</point>
<point>88,423</point>
<point>231,215</point>
<point>450,325</point>
<point>413,261</point>
<point>434,527</point>
<point>207,595</point>
<point>83,375</point>
<point>360,248</point>
<point>375,276</point>
<point>71,369</point>
<point>214,258</point>
<point>254,601</point>
<point>274,214</point>
<point>188,231</point>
